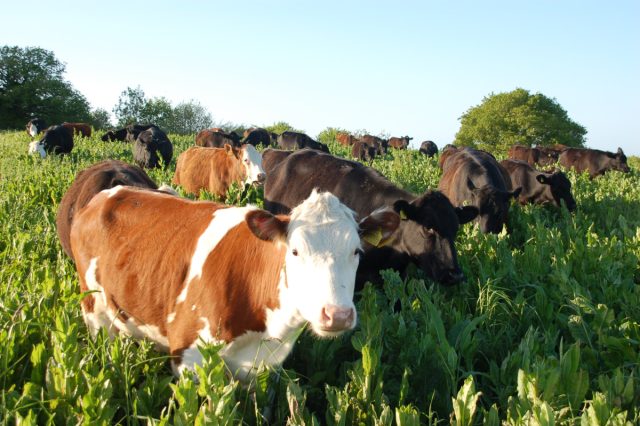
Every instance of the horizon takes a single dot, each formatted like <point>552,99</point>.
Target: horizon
<point>410,68</point>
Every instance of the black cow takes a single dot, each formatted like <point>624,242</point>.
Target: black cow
<point>56,140</point>
<point>362,151</point>
<point>104,175</point>
<point>475,176</point>
<point>295,140</point>
<point>148,144</point>
<point>257,136</point>
<point>594,161</point>
<point>539,187</point>
<point>424,237</point>
<point>115,135</point>
<point>381,145</point>
<point>428,148</point>
<point>35,126</point>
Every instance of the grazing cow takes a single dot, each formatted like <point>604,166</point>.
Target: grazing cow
<point>475,176</point>
<point>346,139</point>
<point>148,144</point>
<point>88,182</point>
<point>35,126</point>
<point>257,136</point>
<point>594,161</point>
<point>133,130</point>
<point>212,138</point>
<point>115,135</point>
<point>399,143</point>
<point>272,157</point>
<point>446,153</point>
<point>428,148</point>
<point>363,151</point>
<point>215,169</point>
<point>381,145</point>
<point>295,140</point>
<point>81,129</point>
<point>540,155</point>
<point>539,187</point>
<point>180,272</point>
<point>56,140</point>
<point>425,235</point>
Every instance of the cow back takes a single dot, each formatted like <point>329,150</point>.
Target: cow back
<point>213,169</point>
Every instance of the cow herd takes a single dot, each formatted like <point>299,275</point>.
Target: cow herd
<point>179,271</point>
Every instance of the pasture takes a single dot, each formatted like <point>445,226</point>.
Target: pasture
<point>545,330</point>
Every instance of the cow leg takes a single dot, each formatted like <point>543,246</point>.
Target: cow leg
<point>94,305</point>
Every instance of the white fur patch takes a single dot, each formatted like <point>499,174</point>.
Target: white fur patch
<point>33,130</point>
<point>171,317</point>
<point>223,220</point>
<point>252,162</point>
<point>36,147</point>
<point>113,191</point>
<point>99,317</point>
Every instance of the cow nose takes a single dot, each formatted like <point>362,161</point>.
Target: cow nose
<point>336,318</point>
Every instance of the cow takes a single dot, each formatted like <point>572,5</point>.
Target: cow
<point>381,145</point>
<point>295,140</point>
<point>88,182</point>
<point>215,169</point>
<point>362,151</point>
<point>133,130</point>
<point>115,135</point>
<point>474,176</point>
<point>594,161</point>
<point>182,272</point>
<point>539,187</point>
<point>257,136</point>
<point>272,157</point>
<point>446,153</point>
<point>399,143</point>
<point>213,138</point>
<point>539,155</point>
<point>425,235</point>
<point>428,148</point>
<point>35,126</point>
<point>346,139</point>
<point>150,145</point>
<point>80,129</point>
<point>56,140</point>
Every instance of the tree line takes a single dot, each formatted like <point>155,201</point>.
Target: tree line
<point>32,84</point>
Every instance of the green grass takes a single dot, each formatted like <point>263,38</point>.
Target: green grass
<point>545,329</point>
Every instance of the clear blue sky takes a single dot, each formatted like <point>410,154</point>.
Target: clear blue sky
<point>395,67</point>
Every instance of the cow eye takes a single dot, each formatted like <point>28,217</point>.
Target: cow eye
<point>294,252</point>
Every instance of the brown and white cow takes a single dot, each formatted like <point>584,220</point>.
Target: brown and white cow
<point>81,129</point>
<point>215,169</point>
<point>181,272</point>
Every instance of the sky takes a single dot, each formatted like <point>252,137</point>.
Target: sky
<point>398,68</point>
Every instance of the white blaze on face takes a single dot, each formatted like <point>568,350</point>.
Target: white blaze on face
<point>33,130</point>
<point>37,147</point>
<point>321,261</point>
<point>252,162</point>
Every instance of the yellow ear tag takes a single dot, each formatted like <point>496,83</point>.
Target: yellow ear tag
<point>403,215</point>
<point>373,237</point>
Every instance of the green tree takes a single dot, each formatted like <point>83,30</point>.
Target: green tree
<point>130,106</point>
<point>100,119</point>
<point>32,84</point>
<point>281,127</point>
<point>157,111</point>
<point>518,117</point>
<point>189,117</point>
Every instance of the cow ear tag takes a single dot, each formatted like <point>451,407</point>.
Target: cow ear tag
<point>373,237</point>
<point>403,215</point>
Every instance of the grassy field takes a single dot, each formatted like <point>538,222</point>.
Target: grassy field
<point>546,329</point>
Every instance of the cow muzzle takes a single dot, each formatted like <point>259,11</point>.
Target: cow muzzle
<point>335,318</point>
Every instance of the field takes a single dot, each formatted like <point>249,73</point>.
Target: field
<point>546,329</point>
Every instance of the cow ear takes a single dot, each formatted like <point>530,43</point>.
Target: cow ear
<point>379,226</point>
<point>543,179</point>
<point>403,208</point>
<point>266,226</point>
<point>466,214</point>
<point>619,152</point>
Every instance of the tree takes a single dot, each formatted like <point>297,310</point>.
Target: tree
<point>518,117</point>
<point>280,127</point>
<point>32,84</point>
<point>100,119</point>
<point>130,106</point>
<point>159,112</point>
<point>190,117</point>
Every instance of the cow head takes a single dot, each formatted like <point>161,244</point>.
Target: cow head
<point>619,161</point>
<point>109,136</point>
<point>493,205</point>
<point>252,163</point>
<point>37,147</point>
<point>323,251</point>
<point>428,230</point>
<point>560,189</point>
